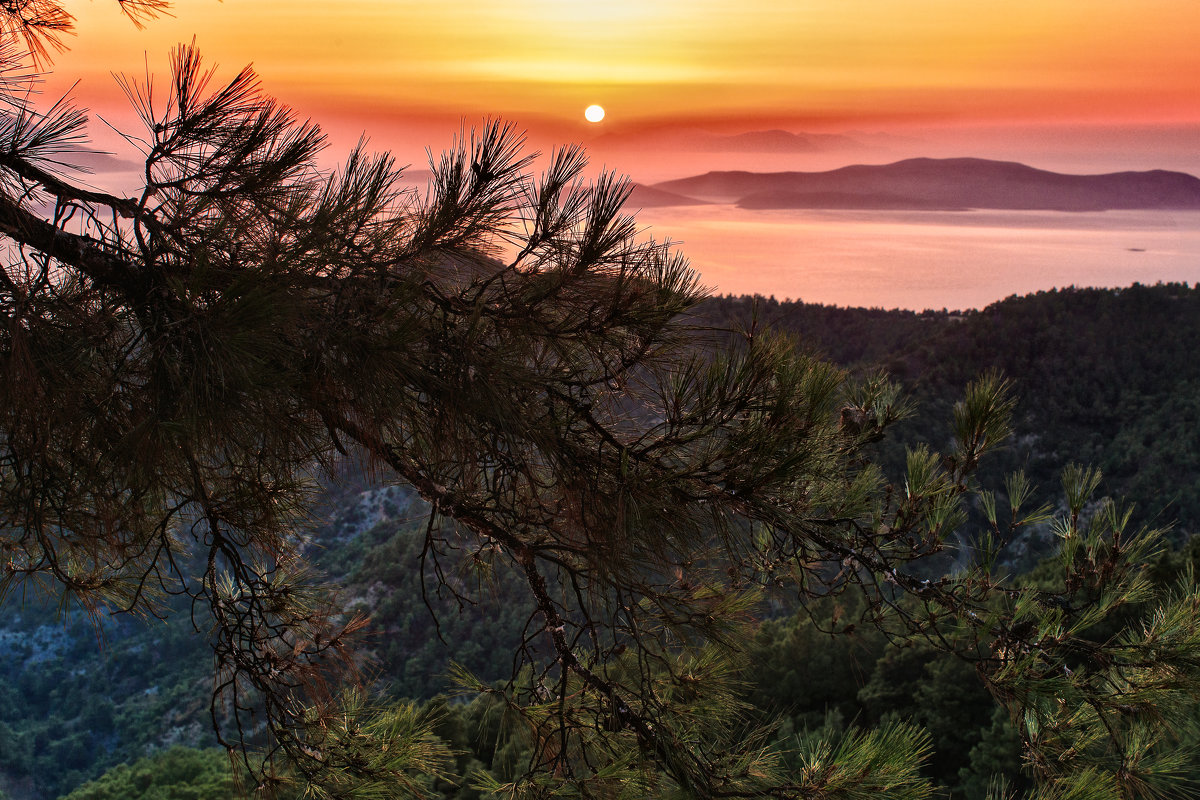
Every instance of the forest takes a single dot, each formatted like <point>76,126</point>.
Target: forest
<point>1106,377</point>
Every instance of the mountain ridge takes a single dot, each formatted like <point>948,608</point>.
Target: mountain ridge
<point>953,183</point>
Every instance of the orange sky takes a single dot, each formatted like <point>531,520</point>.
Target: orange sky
<point>394,65</point>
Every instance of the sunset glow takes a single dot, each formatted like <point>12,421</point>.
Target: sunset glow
<point>821,61</point>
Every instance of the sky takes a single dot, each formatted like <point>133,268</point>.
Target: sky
<point>410,73</point>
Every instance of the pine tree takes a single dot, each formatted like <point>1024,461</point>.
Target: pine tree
<point>181,366</point>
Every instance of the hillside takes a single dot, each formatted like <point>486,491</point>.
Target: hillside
<point>956,183</point>
<point>1107,377</point>
<point>1103,376</point>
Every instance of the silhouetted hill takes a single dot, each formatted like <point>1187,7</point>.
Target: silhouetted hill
<point>644,196</point>
<point>877,201</point>
<point>924,183</point>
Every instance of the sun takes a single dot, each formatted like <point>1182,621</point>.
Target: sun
<point>593,113</point>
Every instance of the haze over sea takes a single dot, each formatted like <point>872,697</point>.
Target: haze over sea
<point>926,259</point>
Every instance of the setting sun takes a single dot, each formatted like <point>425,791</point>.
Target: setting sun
<point>593,113</point>
<point>760,64</point>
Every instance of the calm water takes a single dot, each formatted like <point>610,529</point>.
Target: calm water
<point>921,260</point>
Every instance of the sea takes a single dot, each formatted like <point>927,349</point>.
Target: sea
<point>953,260</point>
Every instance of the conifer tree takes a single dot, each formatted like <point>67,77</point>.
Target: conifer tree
<point>181,365</point>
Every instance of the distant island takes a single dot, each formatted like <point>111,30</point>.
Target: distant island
<point>934,184</point>
<point>642,196</point>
